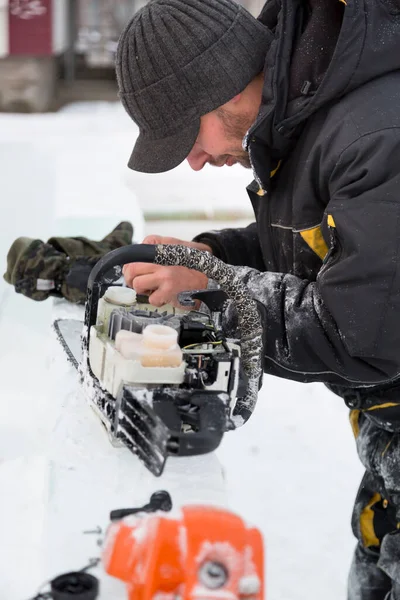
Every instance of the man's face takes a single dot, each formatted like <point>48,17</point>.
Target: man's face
<point>219,142</point>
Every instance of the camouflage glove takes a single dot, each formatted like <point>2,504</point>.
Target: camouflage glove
<point>60,267</point>
<point>75,247</point>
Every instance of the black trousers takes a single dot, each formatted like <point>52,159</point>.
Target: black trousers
<point>375,570</point>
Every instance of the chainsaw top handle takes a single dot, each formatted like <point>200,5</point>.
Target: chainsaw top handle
<point>120,256</point>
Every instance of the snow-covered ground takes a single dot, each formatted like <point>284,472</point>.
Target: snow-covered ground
<point>292,470</point>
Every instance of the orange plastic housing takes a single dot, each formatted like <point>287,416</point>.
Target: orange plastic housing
<point>205,554</point>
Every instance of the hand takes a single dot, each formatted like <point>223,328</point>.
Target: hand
<point>159,239</point>
<point>163,284</point>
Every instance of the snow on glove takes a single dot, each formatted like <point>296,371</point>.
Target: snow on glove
<point>60,267</point>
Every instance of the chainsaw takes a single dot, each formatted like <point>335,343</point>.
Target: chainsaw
<point>164,381</point>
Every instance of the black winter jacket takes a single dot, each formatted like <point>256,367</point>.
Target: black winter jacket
<point>325,150</point>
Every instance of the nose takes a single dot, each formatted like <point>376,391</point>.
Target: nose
<point>197,158</point>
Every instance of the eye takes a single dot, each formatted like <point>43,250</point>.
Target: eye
<point>213,575</point>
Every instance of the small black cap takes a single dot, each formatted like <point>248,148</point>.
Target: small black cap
<point>75,586</point>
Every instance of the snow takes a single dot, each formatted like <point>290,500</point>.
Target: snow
<point>218,551</point>
<point>291,470</point>
<point>203,593</point>
<point>250,585</point>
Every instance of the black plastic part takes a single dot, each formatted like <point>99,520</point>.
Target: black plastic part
<point>194,332</point>
<point>210,425</point>
<point>75,586</point>
<point>213,299</point>
<point>243,383</point>
<point>140,426</point>
<point>241,410</point>
<point>186,299</point>
<point>142,430</point>
<point>158,501</point>
<point>142,298</point>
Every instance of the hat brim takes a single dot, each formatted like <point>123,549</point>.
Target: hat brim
<point>159,156</point>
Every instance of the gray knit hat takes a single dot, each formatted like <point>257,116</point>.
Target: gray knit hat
<point>178,60</point>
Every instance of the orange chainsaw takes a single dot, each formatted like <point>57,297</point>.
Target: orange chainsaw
<point>201,553</point>
<point>193,553</point>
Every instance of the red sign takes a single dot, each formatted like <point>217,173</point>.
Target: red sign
<point>30,27</point>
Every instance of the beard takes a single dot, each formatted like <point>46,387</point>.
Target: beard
<point>235,128</point>
<point>242,158</point>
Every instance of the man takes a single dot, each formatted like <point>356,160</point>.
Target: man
<point>308,96</point>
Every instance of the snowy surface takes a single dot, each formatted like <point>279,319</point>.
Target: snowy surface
<point>292,470</point>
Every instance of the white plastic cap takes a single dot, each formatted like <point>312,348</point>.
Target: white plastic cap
<point>126,336</point>
<point>123,296</point>
<point>160,336</point>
